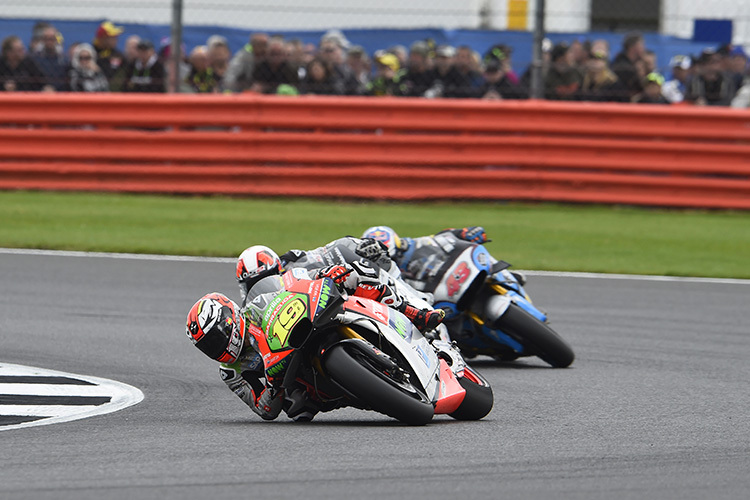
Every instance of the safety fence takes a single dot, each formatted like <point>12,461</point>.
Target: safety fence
<point>377,148</point>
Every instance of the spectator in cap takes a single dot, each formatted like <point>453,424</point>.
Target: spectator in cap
<point>563,81</point>
<point>674,90</point>
<point>337,37</point>
<point>442,71</point>
<point>625,63</point>
<point>417,78</point>
<point>358,63</point>
<point>146,73</point>
<point>85,75</point>
<point>709,86</point>
<point>651,93</point>
<point>51,60</point>
<point>17,71</point>
<point>507,63</point>
<point>239,75</point>
<point>108,57</point>
<point>497,83</point>
<point>385,80</point>
<point>466,82</point>
<point>274,70</point>
<point>331,52</point>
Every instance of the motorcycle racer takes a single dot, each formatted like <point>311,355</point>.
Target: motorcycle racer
<point>350,262</point>
<point>405,251</point>
<point>216,326</point>
<point>222,331</point>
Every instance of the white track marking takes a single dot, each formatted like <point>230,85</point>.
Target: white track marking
<point>121,396</point>
<point>187,258</point>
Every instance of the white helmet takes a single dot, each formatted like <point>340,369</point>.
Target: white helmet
<point>254,263</point>
<point>385,235</point>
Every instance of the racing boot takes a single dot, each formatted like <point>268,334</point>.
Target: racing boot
<point>423,319</point>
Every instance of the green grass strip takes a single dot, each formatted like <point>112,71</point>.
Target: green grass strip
<point>540,237</point>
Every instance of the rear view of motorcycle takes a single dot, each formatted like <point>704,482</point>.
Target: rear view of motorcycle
<point>488,310</point>
<point>336,351</point>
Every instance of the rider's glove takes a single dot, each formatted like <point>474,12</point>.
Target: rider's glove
<point>336,272</point>
<point>372,249</point>
<point>474,234</point>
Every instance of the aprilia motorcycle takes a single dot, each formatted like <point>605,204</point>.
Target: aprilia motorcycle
<point>336,350</point>
<point>487,309</point>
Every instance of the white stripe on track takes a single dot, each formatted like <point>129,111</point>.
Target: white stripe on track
<point>188,258</point>
<point>58,412</point>
<point>122,396</point>
<point>54,390</point>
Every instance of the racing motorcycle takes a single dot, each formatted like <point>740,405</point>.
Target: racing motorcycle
<point>487,308</point>
<point>337,350</point>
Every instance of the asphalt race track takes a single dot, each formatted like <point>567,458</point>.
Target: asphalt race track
<point>656,404</point>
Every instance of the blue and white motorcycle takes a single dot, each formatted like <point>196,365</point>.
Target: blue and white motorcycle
<point>488,311</point>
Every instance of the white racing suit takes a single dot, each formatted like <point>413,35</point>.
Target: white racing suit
<point>372,275</point>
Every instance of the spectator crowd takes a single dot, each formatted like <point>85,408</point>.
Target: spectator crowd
<point>584,70</point>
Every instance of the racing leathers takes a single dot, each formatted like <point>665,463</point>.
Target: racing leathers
<point>243,378</point>
<point>355,264</point>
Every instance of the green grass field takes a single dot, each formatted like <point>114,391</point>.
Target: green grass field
<point>538,237</point>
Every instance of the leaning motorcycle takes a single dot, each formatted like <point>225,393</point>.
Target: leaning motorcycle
<point>339,351</point>
<point>488,311</point>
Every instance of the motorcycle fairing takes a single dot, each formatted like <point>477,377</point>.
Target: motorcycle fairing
<point>450,393</point>
<point>413,346</point>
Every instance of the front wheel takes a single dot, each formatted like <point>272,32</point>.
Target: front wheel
<point>536,337</point>
<point>361,377</point>
<point>478,400</point>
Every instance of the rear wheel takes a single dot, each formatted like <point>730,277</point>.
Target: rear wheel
<point>478,400</point>
<point>359,375</point>
<point>536,337</point>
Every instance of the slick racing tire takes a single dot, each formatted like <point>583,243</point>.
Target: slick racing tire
<point>478,400</point>
<point>536,337</point>
<point>360,376</point>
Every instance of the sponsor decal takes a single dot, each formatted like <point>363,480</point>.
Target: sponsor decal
<point>401,325</point>
<point>275,306</point>
<point>422,355</point>
<point>325,294</point>
<point>281,327</point>
<point>481,258</point>
<point>457,277</point>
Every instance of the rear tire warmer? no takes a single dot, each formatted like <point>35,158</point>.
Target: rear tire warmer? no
<point>373,388</point>
<point>538,338</point>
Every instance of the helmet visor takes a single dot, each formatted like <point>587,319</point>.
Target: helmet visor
<point>224,337</point>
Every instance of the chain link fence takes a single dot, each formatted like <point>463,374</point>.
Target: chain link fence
<point>650,51</point>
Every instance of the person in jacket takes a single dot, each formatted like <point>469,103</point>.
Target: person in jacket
<point>51,60</point>
<point>108,57</point>
<point>17,71</point>
<point>85,75</point>
<point>146,73</point>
